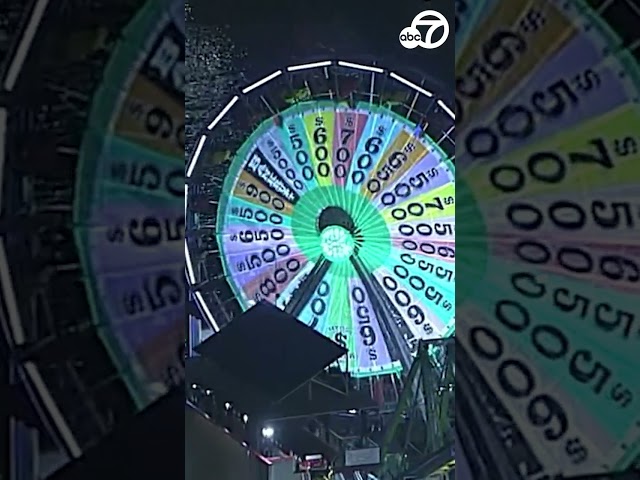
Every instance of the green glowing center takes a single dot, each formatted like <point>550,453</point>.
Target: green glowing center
<point>337,243</point>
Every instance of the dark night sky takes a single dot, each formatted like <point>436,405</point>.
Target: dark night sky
<point>275,32</point>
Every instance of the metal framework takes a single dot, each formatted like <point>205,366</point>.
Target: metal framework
<point>419,439</point>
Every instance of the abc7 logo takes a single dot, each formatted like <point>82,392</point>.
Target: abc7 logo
<point>410,37</point>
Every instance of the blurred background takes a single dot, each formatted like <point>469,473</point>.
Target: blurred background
<point>92,222</point>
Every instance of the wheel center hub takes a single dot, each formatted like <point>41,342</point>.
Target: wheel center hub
<point>337,243</point>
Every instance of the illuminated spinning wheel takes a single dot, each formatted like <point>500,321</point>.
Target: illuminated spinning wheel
<point>339,208</point>
<point>548,107</point>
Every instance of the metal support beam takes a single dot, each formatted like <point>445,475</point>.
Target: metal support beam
<point>403,403</point>
<point>425,402</point>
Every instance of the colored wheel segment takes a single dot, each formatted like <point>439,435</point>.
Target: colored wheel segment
<point>548,167</point>
<point>345,217</point>
<point>128,209</point>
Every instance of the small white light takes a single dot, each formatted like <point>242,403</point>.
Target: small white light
<point>208,392</point>
<point>409,84</point>
<point>196,155</point>
<point>207,312</point>
<point>194,386</point>
<point>245,418</point>
<point>306,66</point>
<point>446,109</point>
<point>353,411</point>
<point>224,111</point>
<point>361,67</point>
<point>267,432</point>
<point>259,83</point>
<point>191,275</point>
<point>227,406</point>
